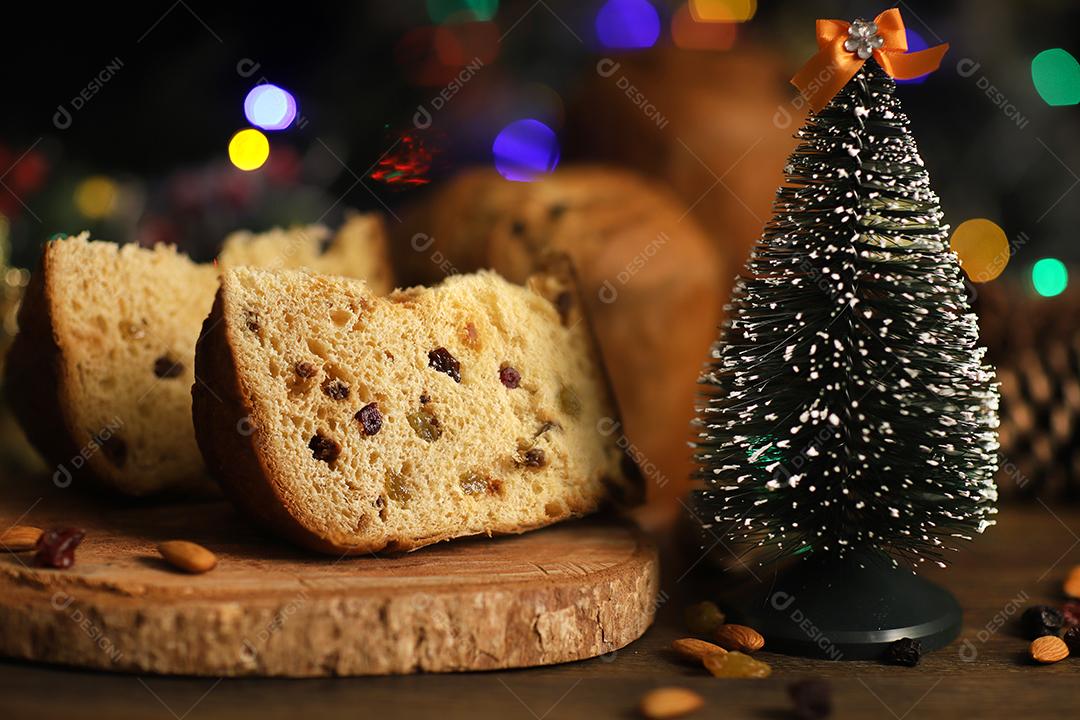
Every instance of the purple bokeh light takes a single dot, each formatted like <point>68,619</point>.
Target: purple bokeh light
<point>627,24</point>
<point>525,150</point>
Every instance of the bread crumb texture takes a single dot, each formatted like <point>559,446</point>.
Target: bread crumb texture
<point>397,421</point>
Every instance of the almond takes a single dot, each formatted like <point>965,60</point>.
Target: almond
<point>1072,582</point>
<point>739,637</point>
<point>694,649</point>
<point>20,537</point>
<point>670,702</point>
<point>1049,649</point>
<point>188,556</point>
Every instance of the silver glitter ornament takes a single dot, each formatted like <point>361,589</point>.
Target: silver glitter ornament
<point>863,38</point>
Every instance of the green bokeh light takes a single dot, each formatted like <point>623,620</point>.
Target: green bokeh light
<point>1056,75</point>
<point>1050,277</point>
<point>442,11</point>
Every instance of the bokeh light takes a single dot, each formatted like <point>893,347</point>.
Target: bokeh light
<point>1050,277</point>
<point>249,149</point>
<point>983,249</point>
<point>1056,76</point>
<point>95,197</point>
<point>525,149</point>
<point>915,43</point>
<point>441,11</point>
<point>723,10</point>
<point>270,107</point>
<point>689,34</point>
<point>627,24</point>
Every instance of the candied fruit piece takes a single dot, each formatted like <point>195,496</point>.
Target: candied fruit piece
<point>323,448</point>
<point>471,337</point>
<point>369,418</point>
<point>425,425</point>
<point>569,401</point>
<point>442,361</point>
<point>166,367</point>
<point>703,618</point>
<point>509,377</point>
<point>735,664</point>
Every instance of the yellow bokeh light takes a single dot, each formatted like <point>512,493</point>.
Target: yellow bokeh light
<point>982,247</point>
<point>249,149</point>
<point>722,10</point>
<point>95,197</point>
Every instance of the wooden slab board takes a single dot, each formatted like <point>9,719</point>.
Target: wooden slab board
<point>565,593</point>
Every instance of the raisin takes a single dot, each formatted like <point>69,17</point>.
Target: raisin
<point>812,699</point>
<point>904,651</point>
<point>335,389</point>
<point>517,228</point>
<point>1072,640</point>
<point>556,211</point>
<point>534,458</point>
<point>424,398</point>
<point>473,483</point>
<point>425,425</point>
<point>304,369</point>
<point>736,665</point>
<point>564,303</point>
<point>1039,620</point>
<point>509,377</point>
<point>56,547</point>
<point>115,450</point>
<point>703,618</point>
<point>369,418</point>
<point>442,361</point>
<point>569,401</point>
<point>323,448</point>
<point>166,367</point>
<point>396,488</point>
<point>251,319</point>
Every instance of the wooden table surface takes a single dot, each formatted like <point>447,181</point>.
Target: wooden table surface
<point>984,674</point>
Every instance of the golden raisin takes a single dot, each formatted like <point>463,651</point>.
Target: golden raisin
<point>425,425</point>
<point>703,618</point>
<point>397,489</point>
<point>736,665</point>
<point>569,401</point>
<point>473,483</point>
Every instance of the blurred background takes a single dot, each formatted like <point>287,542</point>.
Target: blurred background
<point>181,121</point>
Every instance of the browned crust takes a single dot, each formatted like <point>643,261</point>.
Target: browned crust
<point>226,433</point>
<point>35,380</point>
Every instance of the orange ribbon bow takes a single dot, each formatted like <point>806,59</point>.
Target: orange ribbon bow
<point>844,47</point>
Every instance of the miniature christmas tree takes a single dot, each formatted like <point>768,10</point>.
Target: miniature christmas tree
<point>849,414</point>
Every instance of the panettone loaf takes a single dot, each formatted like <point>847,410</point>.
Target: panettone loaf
<point>100,373</point>
<point>650,281</point>
<point>353,423</point>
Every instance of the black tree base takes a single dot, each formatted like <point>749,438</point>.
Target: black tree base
<point>836,610</point>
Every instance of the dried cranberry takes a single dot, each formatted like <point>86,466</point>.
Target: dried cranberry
<point>1039,620</point>
<point>304,369</point>
<point>509,377</point>
<point>166,367</point>
<point>56,547</point>
<point>534,458</point>
<point>904,651</point>
<point>812,699</point>
<point>441,360</point>
<point>323,448</point>
<point>335,389</point>
<point>369,418</point>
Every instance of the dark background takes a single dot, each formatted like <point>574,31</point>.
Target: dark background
<point>161,124</point>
